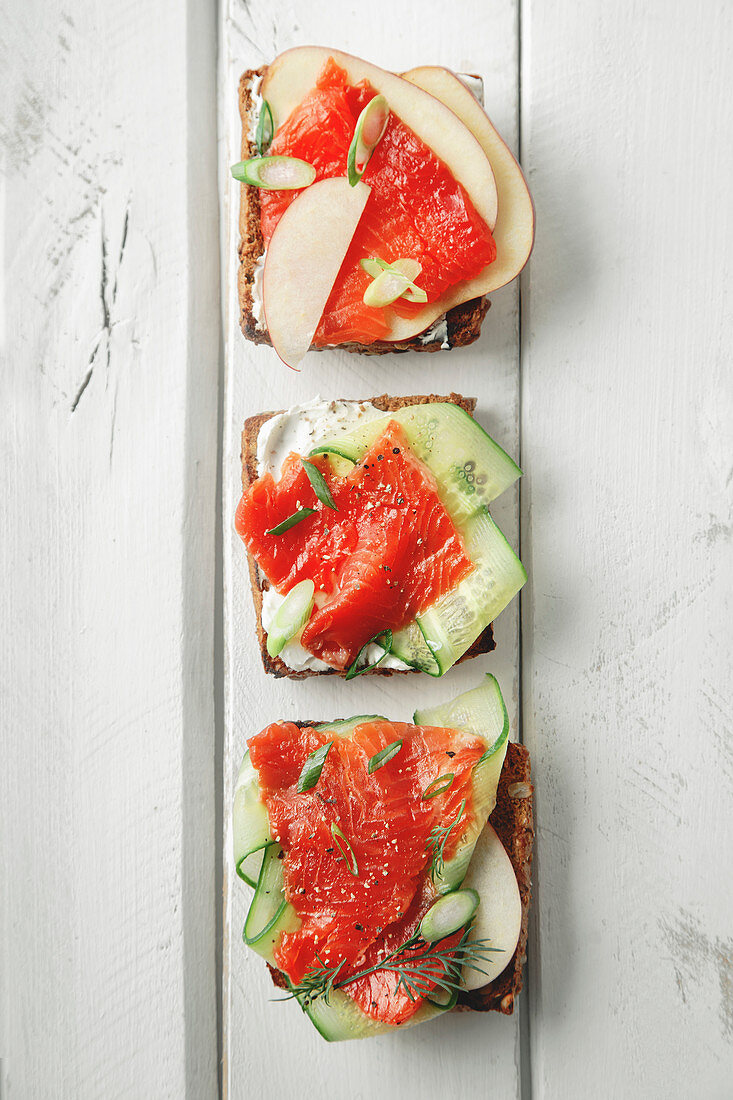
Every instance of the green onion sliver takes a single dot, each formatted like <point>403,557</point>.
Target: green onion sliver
<point>386,645</point>
<point>407,267</point>
<point>312,768</point>
<point>385,289</point>
<point>275,173</point>
<point>392,281</point>
<point>383,756</point>
<point>345,850</point>
<point>438,786</point>
<point>291,521</point>
<point>265,128</point>
<point>320,486</point>
<point>373,266</point>
<point>448,914</point>
<point>370,127</point>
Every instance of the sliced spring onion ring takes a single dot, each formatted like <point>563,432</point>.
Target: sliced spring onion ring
<point>265,128</point>
<point>345,850</point>
<point>275,173</point>
<point>373,266</point>
<point>383,756</point>
<point>448,914</point>
<point>291,615</point>
<point>408,267</point>
<point>385,289</point>
<point>312,768</point>
<point>415,294</point>
<point>392,281</point>
<point>438,786</point>
<point>320,487</point>
<point>370,127</point>
<point>404,266</point>
<point>386,645</point>
<point>291,521</point>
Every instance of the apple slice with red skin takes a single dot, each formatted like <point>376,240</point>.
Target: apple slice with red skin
<point>304,257</point>
<point>514,229</point>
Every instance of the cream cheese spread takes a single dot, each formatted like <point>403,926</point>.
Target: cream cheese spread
<point>254,112</point>
<point>259,268</point>
<point>437,331</point>
<point>303,427</point>
<point>258,273</point>
<point>294,655</point>
<point>300,429</point>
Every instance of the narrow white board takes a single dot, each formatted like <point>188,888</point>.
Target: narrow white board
<point>108,482</point>
<point>627,419</point>
<point>270,1048</point>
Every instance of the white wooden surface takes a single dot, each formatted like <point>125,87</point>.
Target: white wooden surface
<point>271,1048</point>
<point>108,472</point>
<point>627,433</point>
<point>109,341</point>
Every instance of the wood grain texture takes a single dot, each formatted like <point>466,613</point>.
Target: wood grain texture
<point>272,1049</point>
<point>627,419</point>
<point>107,478</point>
<point>108,340</point>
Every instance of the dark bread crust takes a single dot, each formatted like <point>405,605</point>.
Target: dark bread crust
<point>463,321</point>
<point>251,241</point>
<point>485,641</point>
<point>513,821</point>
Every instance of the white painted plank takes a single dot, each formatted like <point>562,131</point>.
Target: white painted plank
<point>479,1050</point>
<point>107,479</point>
<point>626,436</point>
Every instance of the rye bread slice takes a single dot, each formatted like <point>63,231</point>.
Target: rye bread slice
<point>463,321</point>
<point>274,665</point>
<point>513,820</point>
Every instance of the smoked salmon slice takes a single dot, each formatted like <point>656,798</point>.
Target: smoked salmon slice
<point>359,906</point>
<point>387,551</point>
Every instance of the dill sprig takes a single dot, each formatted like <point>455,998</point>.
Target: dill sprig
<point>437,840</point>
<point>420,967</point>
<point>316,983</point>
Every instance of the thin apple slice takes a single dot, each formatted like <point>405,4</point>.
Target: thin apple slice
<point>294,73</point>
<point>514,229</point>
<point>303,259</point>
<point>499,915</point>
